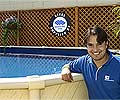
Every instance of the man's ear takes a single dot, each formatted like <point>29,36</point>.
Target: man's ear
<point>107,44</point>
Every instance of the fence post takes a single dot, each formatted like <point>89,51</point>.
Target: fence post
<point>18,34</point>
<point>76,26</point>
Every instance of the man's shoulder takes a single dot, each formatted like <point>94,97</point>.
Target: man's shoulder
<point>115,55</point>
<point>117,58</point>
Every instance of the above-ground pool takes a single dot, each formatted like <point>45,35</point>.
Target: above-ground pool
<point>27,61</point>
<point>33,73</point>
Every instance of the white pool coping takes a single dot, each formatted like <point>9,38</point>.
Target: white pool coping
<point>35,81</point>
<point>44,47</point>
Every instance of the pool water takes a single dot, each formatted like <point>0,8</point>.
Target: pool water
<point>27,65</point>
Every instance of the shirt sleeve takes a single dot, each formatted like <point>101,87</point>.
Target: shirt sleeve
<point>78,65</point>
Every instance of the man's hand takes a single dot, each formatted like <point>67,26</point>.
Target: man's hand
<point>66,74</point>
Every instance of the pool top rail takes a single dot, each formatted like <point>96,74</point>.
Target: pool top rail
<point>66,51</point>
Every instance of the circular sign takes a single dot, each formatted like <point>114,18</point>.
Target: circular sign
<point>60,24</point>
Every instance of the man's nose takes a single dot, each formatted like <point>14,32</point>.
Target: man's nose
<point>95,48</point>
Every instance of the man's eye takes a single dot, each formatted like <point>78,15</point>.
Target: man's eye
<point>99,43</point>
<point>89,44</point>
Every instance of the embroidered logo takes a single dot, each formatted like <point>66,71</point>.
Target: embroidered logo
<point>107,78</point>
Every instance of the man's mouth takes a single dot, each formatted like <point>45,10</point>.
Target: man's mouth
<point>96,53</point>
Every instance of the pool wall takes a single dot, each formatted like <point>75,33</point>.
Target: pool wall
<point>45,87</point>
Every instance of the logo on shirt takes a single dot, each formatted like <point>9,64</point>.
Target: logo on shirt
<point>107,78</point>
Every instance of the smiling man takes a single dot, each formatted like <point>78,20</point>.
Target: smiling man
<point>100,68</point>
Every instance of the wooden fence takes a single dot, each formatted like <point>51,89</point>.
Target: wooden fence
<point>35,30</point>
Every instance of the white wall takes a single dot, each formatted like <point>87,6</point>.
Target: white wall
<point>43,4</point>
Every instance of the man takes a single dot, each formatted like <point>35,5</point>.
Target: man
<point>100,68</point>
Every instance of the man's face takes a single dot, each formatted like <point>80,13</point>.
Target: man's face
<point>96,51</point>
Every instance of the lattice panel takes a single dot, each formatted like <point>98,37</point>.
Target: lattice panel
<point>4,15</point>
<point>102,16</point>
<point>36,30</point>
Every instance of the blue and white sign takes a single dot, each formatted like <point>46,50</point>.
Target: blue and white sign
<point>60,24</point>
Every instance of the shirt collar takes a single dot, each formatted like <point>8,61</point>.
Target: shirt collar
<point>110,57</point>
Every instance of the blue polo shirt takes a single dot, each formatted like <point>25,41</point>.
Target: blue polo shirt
<point>102,83</point>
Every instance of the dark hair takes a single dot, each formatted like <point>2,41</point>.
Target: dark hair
<point>96,30</point>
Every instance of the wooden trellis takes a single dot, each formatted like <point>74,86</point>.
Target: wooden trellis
<point>102,16</point>
<point>36,30</point>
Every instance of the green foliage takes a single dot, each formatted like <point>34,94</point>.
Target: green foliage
<point>115,25</point>
<point>10,25</point>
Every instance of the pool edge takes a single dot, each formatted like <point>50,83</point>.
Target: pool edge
<point>35,81</point>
